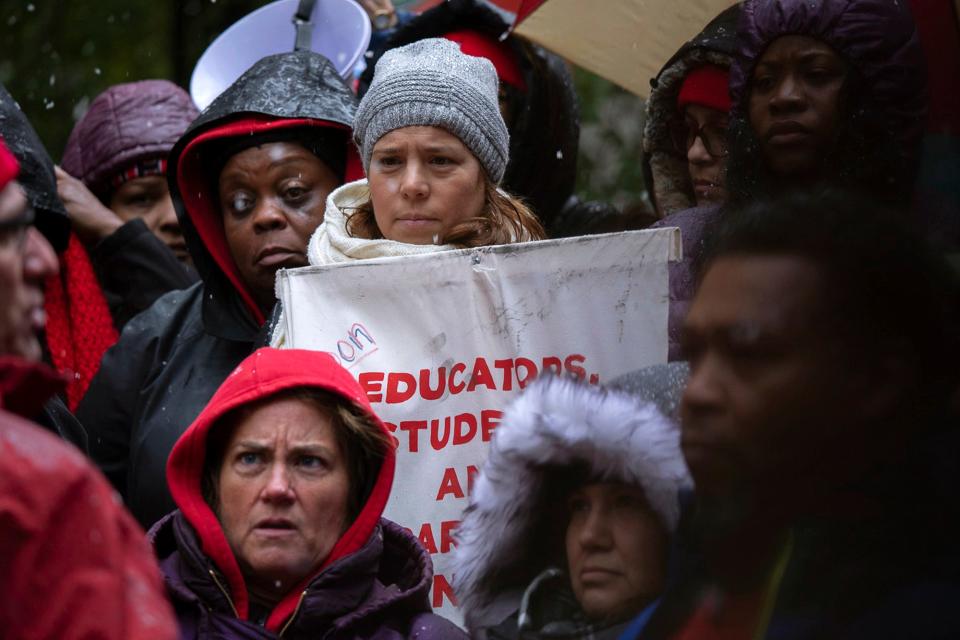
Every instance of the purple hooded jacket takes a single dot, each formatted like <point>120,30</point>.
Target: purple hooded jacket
<point>126,123</point>
<point>877,37</point>
<point>378,593</point>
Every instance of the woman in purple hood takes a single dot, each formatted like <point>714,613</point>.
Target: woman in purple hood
<point>827,92</point>
<point>823,92</point>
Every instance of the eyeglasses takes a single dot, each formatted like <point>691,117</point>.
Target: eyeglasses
<point>13,232</point>
<point>713,137</point>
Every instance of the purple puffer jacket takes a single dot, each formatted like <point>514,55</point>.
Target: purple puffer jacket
<point>878,37</point>
<point>126,123</point>
<point>695,227</point>
<point>377,593</point>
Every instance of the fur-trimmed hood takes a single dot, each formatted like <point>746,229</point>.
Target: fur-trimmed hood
<point>555,423</point>
<point>666,173</point>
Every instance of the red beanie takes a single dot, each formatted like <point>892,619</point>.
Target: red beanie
<point>707,86</point>
<point>480,45</point>
<point>9,167</point>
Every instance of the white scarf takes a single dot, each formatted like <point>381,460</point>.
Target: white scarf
<point>331,243</point>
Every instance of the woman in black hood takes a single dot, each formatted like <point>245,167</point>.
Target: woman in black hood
<point>249,180</point>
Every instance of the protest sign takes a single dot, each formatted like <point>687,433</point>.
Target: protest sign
<point>441,342</point>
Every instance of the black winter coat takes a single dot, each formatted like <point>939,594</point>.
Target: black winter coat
<point>171,358</point>
<point>134,268</point>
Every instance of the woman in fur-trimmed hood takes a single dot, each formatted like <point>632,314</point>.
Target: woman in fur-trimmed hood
<point>567,528</point>
<point>665,167</point>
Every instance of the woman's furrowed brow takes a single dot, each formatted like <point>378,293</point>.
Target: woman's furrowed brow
<point>252,445</point>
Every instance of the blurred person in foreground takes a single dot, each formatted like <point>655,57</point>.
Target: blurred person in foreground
<point>39,183</point>
<point>819,428</point>
<point>568,527</point>
<point>280,484</point>
<point>73,563</point>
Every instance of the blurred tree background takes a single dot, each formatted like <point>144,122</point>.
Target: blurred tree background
<point>58,55</point>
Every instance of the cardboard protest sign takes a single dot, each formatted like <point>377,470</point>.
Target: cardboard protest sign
<point>442,342</point>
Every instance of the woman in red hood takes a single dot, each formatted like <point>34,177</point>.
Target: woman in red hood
<point>280,484</point>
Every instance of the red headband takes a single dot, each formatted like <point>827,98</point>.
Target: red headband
<point>479,45</point>
<point>707,86</point>
<point>9,167</point>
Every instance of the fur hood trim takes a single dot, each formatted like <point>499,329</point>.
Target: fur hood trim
<point>665,171</point>
<point>557,422</point>
<point>670,182</point>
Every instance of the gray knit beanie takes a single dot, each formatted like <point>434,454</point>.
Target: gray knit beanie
<point>431,83</point>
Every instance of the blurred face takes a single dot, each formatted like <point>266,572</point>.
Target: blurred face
<point>283,490</point>
<point>795,104</point>
<point>770,394</point>
<point>272,198</point>
<point>26,261</point>
<point>148,198</point>
<point>423,182</point>
<point>616,550</point>
<point>706,146</point>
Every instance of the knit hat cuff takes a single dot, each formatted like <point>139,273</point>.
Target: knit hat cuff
<point>707,86</point>
<point>410,105</point>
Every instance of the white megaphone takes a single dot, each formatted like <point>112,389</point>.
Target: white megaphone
<point>337,29</point>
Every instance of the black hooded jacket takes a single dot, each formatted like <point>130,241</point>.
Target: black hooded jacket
<point>545,132</point>
<point>171,358</point>
<point>36,172</point>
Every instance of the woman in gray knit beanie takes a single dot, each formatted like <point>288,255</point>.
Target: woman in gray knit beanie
<point>434,147</point>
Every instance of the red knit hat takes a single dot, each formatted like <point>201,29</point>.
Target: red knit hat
<point>480,45</point>
<point>707,86</point>
<point>9,167</point>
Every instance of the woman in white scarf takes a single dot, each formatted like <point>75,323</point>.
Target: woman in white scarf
<point>434,147</point>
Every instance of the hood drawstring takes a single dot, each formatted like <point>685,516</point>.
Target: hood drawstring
<point>525,621</point>
<point>293,615</point>
<point>226,594</point>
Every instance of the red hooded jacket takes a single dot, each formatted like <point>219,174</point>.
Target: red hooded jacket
<point>264,373</point>
<point>73,563</point>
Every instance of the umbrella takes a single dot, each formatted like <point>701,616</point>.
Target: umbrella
<point>624,41</point>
